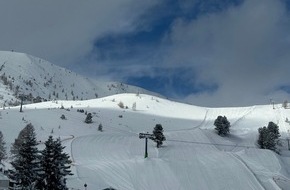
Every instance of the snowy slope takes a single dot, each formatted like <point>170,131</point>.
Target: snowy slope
<point>193,157</point>
<point>34,77</point>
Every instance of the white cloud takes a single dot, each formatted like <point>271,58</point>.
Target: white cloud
<point>64,31</point>
<point>243,49</point>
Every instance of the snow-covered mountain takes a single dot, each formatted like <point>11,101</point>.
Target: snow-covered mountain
<point>193,157</point>
<point>39,80</point>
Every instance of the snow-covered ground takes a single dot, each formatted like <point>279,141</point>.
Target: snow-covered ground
<point>23,74</point>
<point>192,157</point>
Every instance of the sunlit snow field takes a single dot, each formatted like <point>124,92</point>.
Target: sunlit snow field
<point>192,157</point>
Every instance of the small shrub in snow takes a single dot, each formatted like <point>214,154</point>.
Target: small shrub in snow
<point>89,118</point>
<point>134,106</point>
<point>80,110</point>
<point>121,105</point>
<point>285,104</point>
<point>62,117</point>
<point>100,128</point>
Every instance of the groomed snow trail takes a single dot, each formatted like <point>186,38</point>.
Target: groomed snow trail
<point>192,157</point>
<point>117,160</point>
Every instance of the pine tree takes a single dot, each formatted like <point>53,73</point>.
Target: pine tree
<point>46,165</point>
<point>26,161</point>
<point>63,164</point>
<point>55,165</point>
<point>262,137</point>
<point>270,141</point>
<point>272,127</point>
<point>18,141</point>
<point>89,118</point>
<point>269,136</point>
<point>222,125</point>
<point>158,135</point>
<point>2,147</point>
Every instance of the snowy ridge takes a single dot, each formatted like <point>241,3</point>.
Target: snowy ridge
<point>193,157</point>
<point>41,80</point>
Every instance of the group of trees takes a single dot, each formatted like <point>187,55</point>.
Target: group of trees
<point>38,169</point>
<point>268,136</point>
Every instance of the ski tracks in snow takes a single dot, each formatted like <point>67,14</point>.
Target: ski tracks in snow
<point>244,115</point>
<point>234,156</point>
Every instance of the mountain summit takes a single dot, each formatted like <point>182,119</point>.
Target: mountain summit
<point>39,80</point>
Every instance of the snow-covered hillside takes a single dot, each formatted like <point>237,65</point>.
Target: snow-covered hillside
<point>38,80</point>
<point>192,157</point>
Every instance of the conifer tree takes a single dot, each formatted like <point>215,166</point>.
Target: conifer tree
<point>89,118</point>
<point>25,164</point>
<point>158,135</point>
<point>269,136</point>
<point>2,147</point>
<point>55,165</point>
<point>274,128</point>
<point>46,165</point>
<point>262,137</point>
<point>222,125</point>
<point>64,161</point>
<point>18,141</point>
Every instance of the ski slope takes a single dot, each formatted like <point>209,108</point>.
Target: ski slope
<point>192,157</point>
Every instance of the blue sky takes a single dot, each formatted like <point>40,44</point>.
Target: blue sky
<point>140,45</point>
<point>204,52</point>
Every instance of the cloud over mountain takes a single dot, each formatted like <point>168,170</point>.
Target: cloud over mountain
<point>209,53</point>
